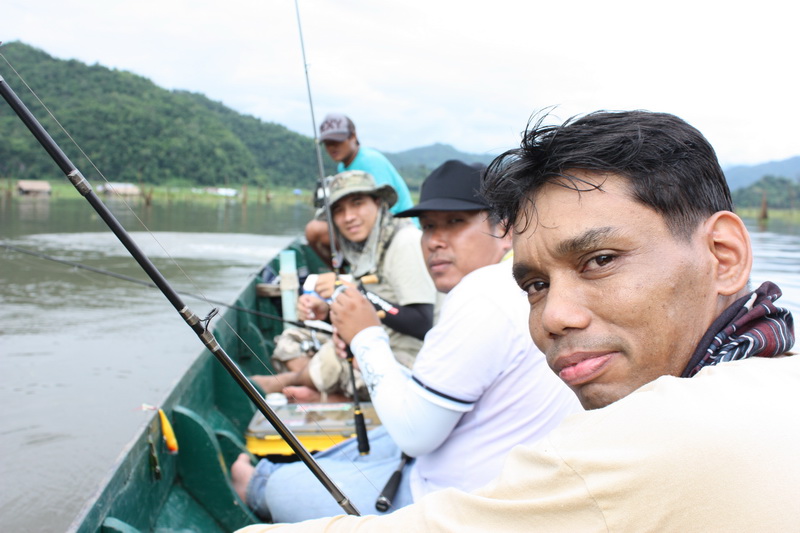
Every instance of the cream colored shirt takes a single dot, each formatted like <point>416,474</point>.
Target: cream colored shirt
<point>717,452</point>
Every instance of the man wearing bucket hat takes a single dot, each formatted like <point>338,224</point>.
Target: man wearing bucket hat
<point>373,242</point>
<point>338,135</point>
<point>468,398</point>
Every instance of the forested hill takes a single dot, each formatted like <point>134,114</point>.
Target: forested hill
<point>137,132</point>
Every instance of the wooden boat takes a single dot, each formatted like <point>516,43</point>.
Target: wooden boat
<point>158,484</point>
<point>150,488</point>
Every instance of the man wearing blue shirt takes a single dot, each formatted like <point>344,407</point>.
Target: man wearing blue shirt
<point>338,135</point>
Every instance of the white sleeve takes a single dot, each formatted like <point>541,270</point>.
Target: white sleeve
<point>416,424</point>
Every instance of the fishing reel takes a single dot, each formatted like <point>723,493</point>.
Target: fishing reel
<point>322,191</point>
<point>308,348</point>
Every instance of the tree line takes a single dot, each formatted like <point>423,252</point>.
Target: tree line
<point>138,132</point>
<point>779,193</point>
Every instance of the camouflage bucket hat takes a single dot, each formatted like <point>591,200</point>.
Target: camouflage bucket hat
<point>358,181</point>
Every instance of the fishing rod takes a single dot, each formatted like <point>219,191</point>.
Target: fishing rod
<point>198,325</point>
<point>299,324</point>
<point>336,255</point>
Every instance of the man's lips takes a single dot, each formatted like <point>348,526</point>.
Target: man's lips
<point>579,368</point>
<point>437,265</point>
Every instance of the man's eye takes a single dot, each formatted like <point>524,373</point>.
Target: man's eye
<point>600,261</point>
<point>535,286</point>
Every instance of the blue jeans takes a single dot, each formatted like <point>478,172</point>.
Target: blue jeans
<point>291,493</point>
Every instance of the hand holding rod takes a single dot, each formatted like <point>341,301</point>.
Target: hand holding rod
<point>189,317</point>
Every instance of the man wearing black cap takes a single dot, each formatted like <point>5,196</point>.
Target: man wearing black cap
<point>477,388</point>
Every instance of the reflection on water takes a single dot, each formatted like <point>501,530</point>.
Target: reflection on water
<point>72,214</point>
<point>80,352</point>
<point>776,257</point>
<point>34,208</point>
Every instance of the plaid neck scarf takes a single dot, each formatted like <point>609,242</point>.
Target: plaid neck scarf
<point>752,327</point>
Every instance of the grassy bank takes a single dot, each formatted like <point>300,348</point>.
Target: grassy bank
<point>184,193</point>
<point>262,195</point>
<point>789,216</point>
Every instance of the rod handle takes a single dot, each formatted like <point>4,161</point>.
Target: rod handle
<point>389,491</point>
<point>361,432</point>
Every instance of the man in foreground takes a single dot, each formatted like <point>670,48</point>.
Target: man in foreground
<point>636,272</point>
<point>477,388</point>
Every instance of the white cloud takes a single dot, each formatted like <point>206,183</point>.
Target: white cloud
<point>415,72</point>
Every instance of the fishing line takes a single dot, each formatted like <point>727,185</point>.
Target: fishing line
<point>122,199</point>
<point>336,256</point>
<point>152,285</point>
<point>55,153</point>
<point>267,368</point>
<point>85,189</point>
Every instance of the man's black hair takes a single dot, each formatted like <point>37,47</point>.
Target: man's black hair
<point>668,164</point>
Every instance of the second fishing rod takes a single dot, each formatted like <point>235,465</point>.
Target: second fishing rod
<point>336,256</point>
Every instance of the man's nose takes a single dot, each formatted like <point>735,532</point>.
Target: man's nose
<point>563,309</point>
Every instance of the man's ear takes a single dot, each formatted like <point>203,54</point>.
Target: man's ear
<point>506,241</point>
<point>729,243</point>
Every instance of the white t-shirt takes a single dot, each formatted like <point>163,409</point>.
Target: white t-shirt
<point>479,359</point>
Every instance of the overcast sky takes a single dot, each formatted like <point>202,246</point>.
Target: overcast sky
<point>470,74</point>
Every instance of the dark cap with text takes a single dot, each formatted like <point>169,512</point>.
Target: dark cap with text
<point>336,127</point>
<point>453,186</point>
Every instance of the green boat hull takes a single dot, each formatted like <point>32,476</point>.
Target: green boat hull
<point>150,489</point>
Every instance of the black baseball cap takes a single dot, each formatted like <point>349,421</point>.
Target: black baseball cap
<point>453,186</point>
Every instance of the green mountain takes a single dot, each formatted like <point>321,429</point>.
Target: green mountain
<point>415,164</point>
<point>138,132</point>
<point>779,192</point>
<point>135,131</point>
<point>742,175</point>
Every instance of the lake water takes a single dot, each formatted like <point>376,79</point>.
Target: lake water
<point>80,352</point>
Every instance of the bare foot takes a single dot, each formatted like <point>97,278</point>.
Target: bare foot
<point>273,383</point>
<point>241,473</point>
<point>301,394</point>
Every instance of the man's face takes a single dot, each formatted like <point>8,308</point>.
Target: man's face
<point>342,151</point>
<point>616,301</point>
<point>454,243</point>
<point>355,216</point>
